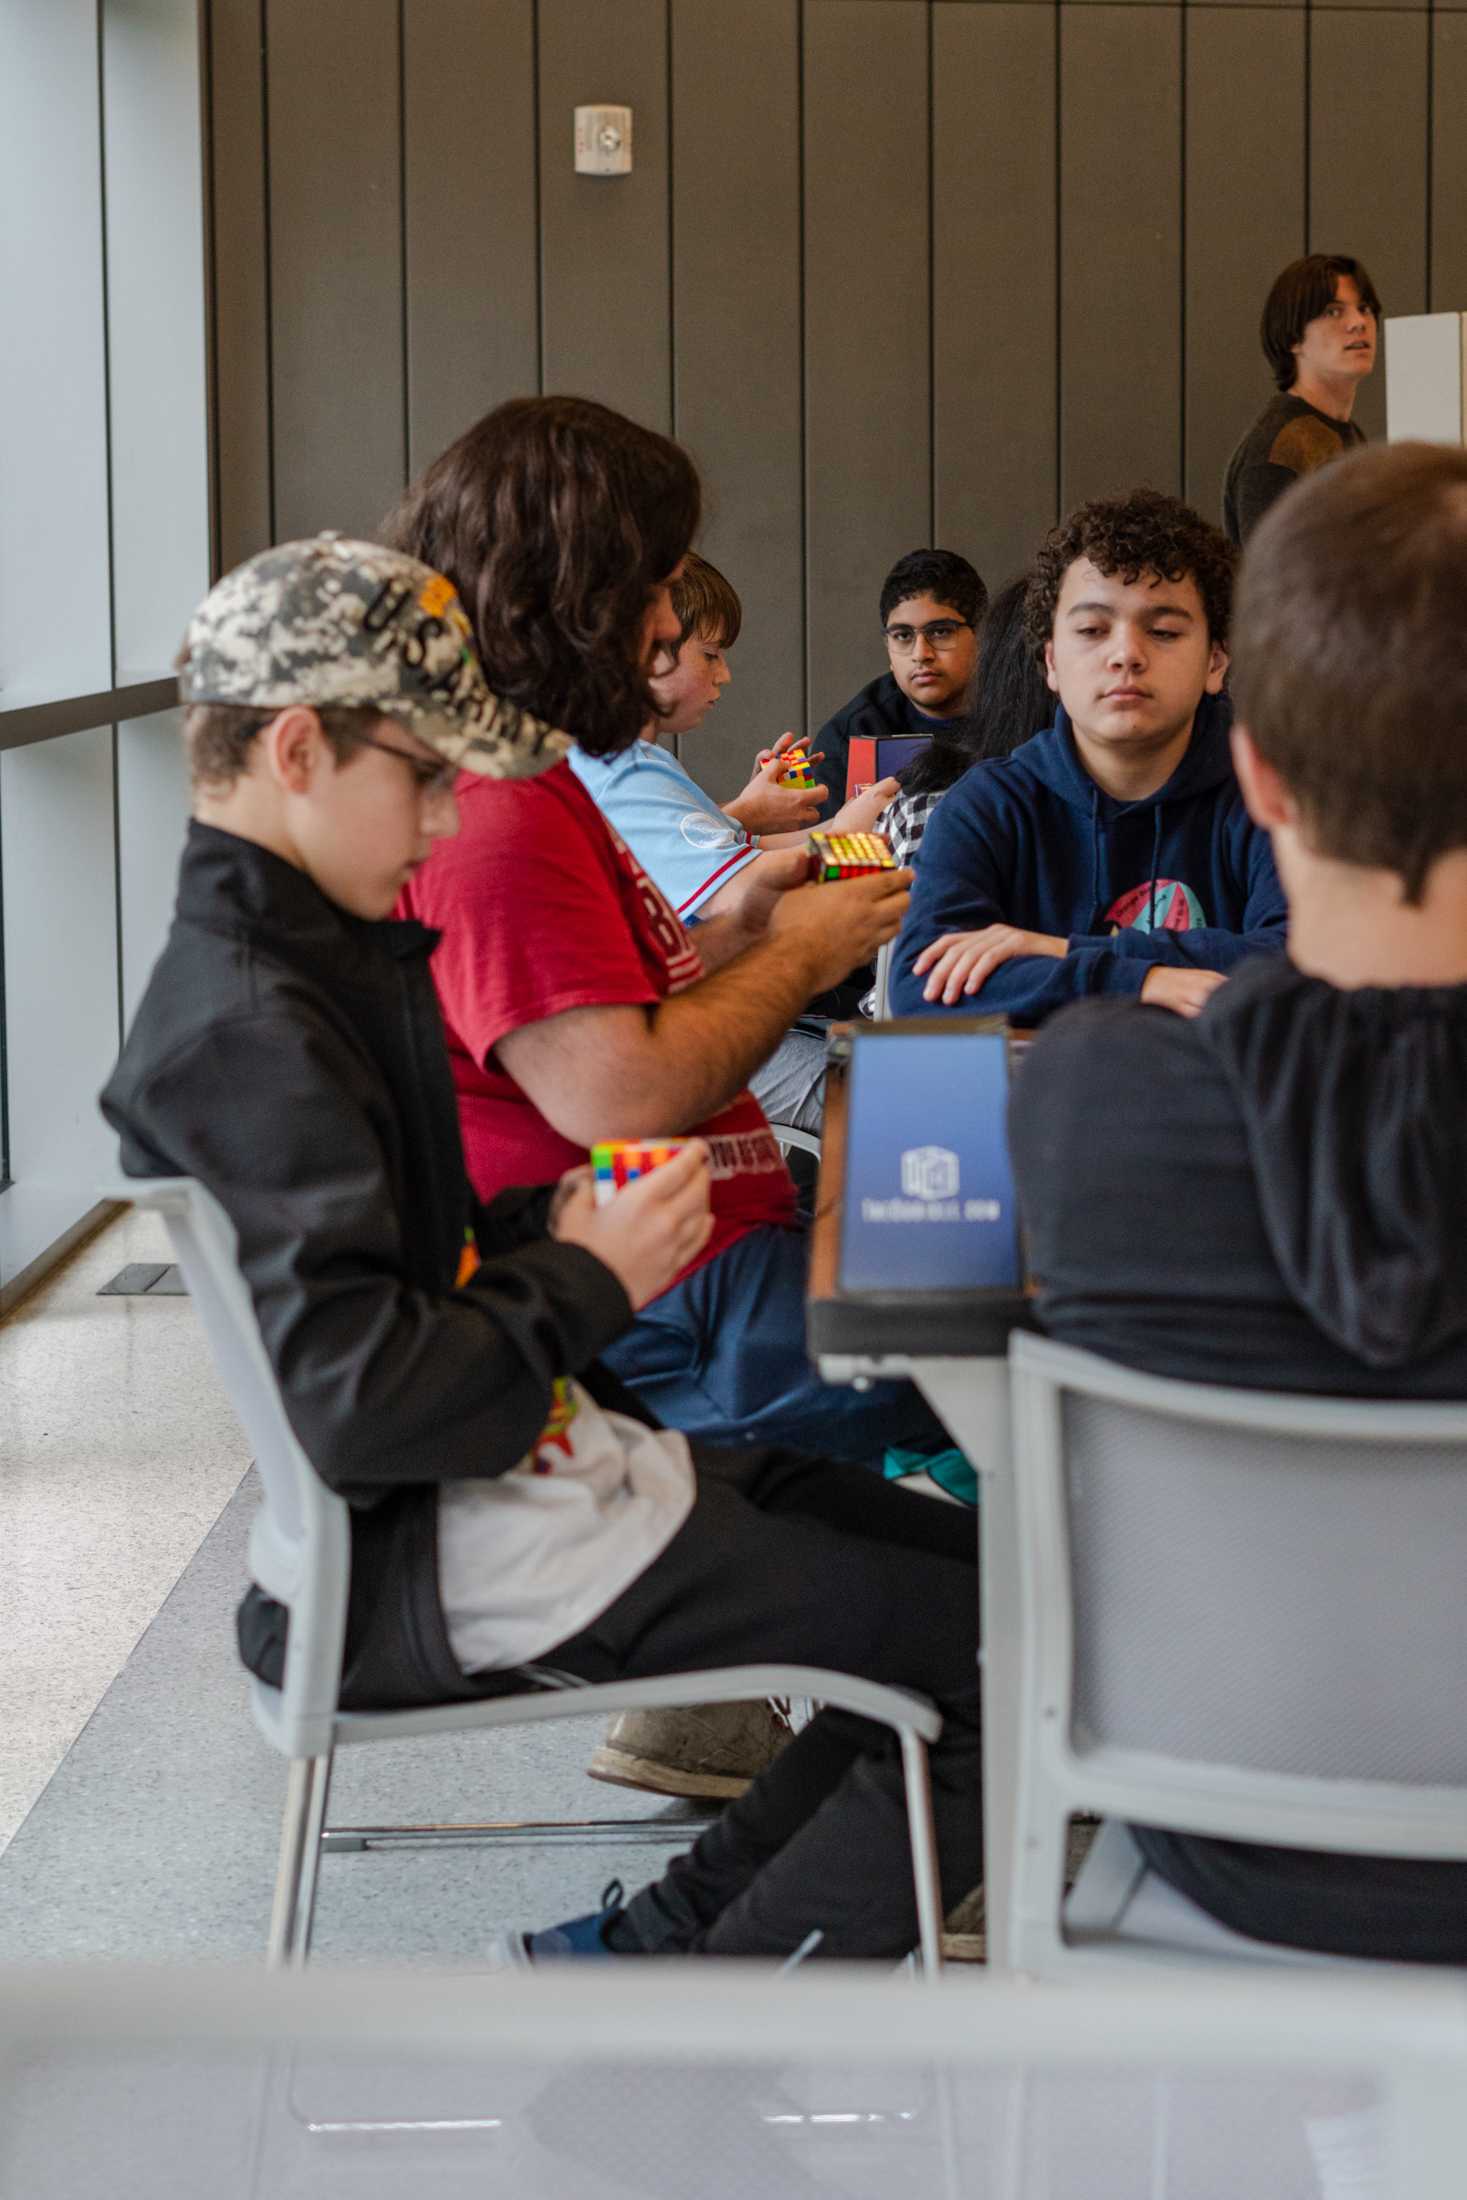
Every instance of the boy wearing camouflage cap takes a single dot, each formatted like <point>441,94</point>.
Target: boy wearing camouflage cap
<point>511,1506</point>
<point>288,1054</point>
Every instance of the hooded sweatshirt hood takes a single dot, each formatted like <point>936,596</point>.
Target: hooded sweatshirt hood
<point>1050,760</point>
<point>1353,1108</point>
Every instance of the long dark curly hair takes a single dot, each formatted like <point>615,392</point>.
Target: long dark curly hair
<point>1146,532</point>
<point>556,518</point>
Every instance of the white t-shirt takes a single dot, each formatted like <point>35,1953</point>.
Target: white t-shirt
<point>527,1559</point>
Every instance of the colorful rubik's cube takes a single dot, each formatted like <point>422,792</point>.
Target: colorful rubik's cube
<point>795,767</point>
<point>848,855</point>
<point>618,1161</point>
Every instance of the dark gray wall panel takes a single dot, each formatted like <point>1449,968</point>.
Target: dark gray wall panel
<point>736,348</point>
<point>867,363</point>
<point>1372,66</point>
<point>1120,250</point>
<point>473,298</point>
<point>994,297</point>
<point>1245,122</point>
<point>1449,165</point>
<point>241,316</point>
<point>604,244</point>
<point>336,263</point>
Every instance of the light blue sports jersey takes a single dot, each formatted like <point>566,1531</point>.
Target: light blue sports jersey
<point>677,833</point>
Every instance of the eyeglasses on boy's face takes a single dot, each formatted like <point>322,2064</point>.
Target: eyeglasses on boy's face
<point>432,780</point>
<point>941,633</point>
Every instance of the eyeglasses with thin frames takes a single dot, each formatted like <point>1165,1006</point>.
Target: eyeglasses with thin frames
<point>942,633</point>
<point>432,780</point>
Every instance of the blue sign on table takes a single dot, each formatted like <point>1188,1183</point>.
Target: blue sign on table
<point>928,1200</point>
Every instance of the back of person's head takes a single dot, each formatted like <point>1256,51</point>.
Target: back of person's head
<point>1145,532</point>
<point>1299,295</point>
<point>1011,697</point>
<point>1008,700</point>
<point>940,574</point>
<point>557,519</point>
<point>705,603</point>
<point>1349,668</point>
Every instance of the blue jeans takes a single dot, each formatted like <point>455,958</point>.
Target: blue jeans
<point>722,1356</point>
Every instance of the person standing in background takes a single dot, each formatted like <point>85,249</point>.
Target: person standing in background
<point>1320,329</point>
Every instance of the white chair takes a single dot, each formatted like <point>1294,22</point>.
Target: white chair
<point>881,1007</point>
<point>788,1137</point>
<point>300,1554</point>
<point>711,2082</point>
<point>1243,1615</point>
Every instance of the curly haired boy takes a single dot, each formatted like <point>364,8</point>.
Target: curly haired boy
<point>1112,853</point>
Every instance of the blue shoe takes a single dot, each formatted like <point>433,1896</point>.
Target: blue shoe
<point>578,1936</point>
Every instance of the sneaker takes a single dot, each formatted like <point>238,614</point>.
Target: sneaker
<point>714,1750</point>
<point>964,1930</point>
<point>578,1936</point>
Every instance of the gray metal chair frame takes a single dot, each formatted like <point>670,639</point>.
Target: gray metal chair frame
<point>1194,1651</point>
<point>300,1549</point>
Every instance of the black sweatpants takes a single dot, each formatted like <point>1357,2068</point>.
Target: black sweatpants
<point>799,1561</point>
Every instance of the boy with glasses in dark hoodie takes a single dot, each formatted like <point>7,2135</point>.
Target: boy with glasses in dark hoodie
<point>1111,853</point>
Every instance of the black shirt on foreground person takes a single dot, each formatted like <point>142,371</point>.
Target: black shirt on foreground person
<point>1274,1195</point>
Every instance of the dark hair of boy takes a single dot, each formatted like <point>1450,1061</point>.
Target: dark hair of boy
<point>218,737</point>
<point>1350,672</point>
<point>1145,532</point>
<point>705,603</point>
<point>558,610</point>
<point>1299,295</point>
<point>940,574</point>
<point>1009,699</point>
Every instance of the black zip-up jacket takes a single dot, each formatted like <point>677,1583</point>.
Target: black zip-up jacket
<point>877,711</point>
<point>291,1057</point>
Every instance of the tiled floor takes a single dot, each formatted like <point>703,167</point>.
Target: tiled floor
<point>117,1454</point>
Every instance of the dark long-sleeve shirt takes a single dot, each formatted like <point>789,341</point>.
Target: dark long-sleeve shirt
<point>1290,438</point>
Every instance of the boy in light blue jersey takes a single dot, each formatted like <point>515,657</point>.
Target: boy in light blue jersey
<point>704,858</point>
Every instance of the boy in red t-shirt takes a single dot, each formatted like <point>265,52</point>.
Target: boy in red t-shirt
<point>577,1005</point>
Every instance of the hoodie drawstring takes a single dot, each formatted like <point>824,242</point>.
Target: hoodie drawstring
<point>1095,855</point>
<point>1155,859</point>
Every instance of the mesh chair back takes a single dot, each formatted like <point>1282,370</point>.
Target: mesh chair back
<point>1268,1598</point>
<point>300,1545</point>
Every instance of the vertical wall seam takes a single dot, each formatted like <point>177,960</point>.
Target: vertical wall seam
<point>1182,259</point>
<point>539,219</point>
<point>402,242</point>
<point>106,355</point>
<point>1059,246</point>
<point>669,133</point>
<point>115,742</point>
<point>1308,123</point>
<point>799,8</point>
<point>1430,146</point>
<point>263,17</point>
<point>204,22</point>
<point>931,279</point>
<point>670,214</point>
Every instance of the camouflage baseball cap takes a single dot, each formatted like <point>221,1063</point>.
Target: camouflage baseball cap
<point>331,621</point>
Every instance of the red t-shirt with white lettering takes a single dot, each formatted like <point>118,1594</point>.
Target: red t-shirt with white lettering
<point>543,908</point>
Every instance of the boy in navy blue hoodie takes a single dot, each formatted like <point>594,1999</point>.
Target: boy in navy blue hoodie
<point>1112,853</point>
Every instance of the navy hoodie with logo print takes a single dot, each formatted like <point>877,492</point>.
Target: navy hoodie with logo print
<point>1183,876</point>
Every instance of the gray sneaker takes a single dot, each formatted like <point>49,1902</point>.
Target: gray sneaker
<point>713,1750</point>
